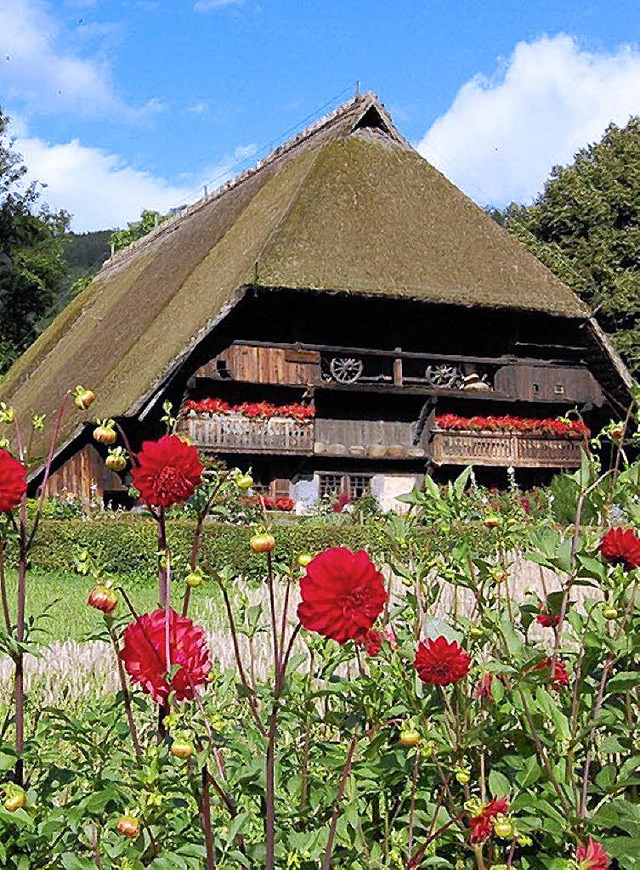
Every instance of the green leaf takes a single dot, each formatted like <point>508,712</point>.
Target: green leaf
<point>623,681</point>
<point>499,785</point>
<point>73,862</point>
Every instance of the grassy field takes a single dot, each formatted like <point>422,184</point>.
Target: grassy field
<point>70,618</point>
<point>74,670</point>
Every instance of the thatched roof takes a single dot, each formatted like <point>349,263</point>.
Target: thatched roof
<point>345,206</point>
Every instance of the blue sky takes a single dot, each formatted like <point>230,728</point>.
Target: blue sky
<point>120,105</point>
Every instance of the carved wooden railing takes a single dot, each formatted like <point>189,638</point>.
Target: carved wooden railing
<point>504,449</point>
<point>239,434</point>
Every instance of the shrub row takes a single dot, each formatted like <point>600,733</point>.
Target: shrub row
<point>128,545</point>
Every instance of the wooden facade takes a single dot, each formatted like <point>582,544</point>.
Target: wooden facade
<point>85,476</point>
<point>376,405</point>
<point>506,377</point>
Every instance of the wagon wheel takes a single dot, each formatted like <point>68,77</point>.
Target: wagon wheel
<point>442,376</point>
<point>345,369</point>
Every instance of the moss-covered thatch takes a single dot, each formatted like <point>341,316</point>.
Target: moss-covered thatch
<point>347,206</point>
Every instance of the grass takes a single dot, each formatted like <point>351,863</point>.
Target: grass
<point>64,596</point>
<point>72,670</point>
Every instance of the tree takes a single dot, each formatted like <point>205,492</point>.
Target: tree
<point>149,220</point>
<point>585,226</point>
<point>32,264</point>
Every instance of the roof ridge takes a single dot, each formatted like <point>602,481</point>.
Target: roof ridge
<point>368,99</point>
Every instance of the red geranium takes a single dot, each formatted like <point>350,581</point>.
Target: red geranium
<point>482,824</point>
<point>560,677</point>
<point>342,594</point>
<point>439,662</point>
<point>144,654</point>
<point>263,410</point>
<point>168,471</point>
<point>592,856</point>
<point>548,426</point>
<point>13,482</point>
<point>621,547</point>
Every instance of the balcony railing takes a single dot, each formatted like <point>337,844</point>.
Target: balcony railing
<point>236,433</point>
<point>504,449</point>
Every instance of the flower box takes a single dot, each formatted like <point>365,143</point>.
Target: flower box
<point>519,449</point>
<point>236,433</point>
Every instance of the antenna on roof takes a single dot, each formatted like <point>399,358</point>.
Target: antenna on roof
<point>357,89</point>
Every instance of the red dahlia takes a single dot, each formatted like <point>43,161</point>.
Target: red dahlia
<point>13,482</point>
<point>592,856</point>
<point>439,662</point>
<point>342,594</point>
<point>168,471</point>
<point>621,547</point>
<point>144,654</point>
<point>482,824</point>
<point>371,640</point>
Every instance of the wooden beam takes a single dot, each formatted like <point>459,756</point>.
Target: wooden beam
<point>405,354</point>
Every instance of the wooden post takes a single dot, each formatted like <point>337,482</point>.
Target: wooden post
<point>397,368</point>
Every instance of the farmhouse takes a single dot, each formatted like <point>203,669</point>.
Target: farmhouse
<point>338,318</point>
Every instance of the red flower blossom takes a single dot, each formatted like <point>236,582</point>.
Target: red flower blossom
<point>371,640</point>
<point>547,619</point>
<point>548,426</point>
<point>439,662</point>
<point>263,410</point>
<point>482,824</point>
<point>526,504</point>
<point>483,688</point>
<point>144,654</point>
<point>621,547</point>
<point>339,505</point>
<point>592,856</point>
<point>560,677</point>
<point>168,471</point>
<point>13,482</point>
<point>342,594</point>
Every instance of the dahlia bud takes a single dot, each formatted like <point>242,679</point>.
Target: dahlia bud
<point>128,827</point>
<point>103,599</point>
<point>83,398</point>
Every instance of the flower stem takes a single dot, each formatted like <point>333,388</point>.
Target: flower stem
<point>126,697</point>
<point>20,635</point>
<point>346,770</point>
<point>204,805</point>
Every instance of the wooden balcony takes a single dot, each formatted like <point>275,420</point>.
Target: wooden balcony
<point>504,449</point>
<point>235,433</point>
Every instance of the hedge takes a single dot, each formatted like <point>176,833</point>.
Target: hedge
<point>127,545</point>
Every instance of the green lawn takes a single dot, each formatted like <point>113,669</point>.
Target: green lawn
<point>65,594</point>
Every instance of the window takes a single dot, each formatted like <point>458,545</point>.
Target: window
<point>353,485</point>
<point>278,488</point>
<point>331,485</point>
<point>359,485</point>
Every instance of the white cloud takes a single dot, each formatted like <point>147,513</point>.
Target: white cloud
<point>101,191</point>
<point>501,136</point>
<point>97,188</point>
<point>37,71</point>
<point>211,5</point>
